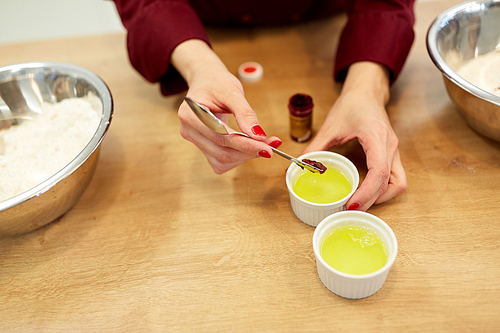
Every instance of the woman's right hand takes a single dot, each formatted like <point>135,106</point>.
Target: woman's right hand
<point>213,86</point>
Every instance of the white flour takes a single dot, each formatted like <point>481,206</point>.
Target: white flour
<point>483,72</point>
<point>36,149</point>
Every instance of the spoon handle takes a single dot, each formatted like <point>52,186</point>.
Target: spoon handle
<point>296,161</point>
<point>301,164</point>
<point>285,155</point>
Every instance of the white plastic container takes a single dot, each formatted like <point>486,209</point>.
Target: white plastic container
<point>250,72</point>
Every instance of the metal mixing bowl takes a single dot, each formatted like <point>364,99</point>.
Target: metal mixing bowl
<point>53,82</point>
<point>457,35</point>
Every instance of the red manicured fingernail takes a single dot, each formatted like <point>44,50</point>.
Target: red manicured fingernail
<point>276,143</point>
<point>257,130</point>
<point>354,206</point>
<point>264,153</point>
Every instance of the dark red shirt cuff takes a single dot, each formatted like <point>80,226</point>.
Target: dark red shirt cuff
<point>382,37</point>
<point>152,36</point>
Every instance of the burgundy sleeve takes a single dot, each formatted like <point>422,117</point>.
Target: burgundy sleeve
<point>154,29</point>
<point>377,31</point>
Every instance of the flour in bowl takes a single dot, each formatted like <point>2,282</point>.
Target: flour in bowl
<point>483,72</point>
<point>36,149</point>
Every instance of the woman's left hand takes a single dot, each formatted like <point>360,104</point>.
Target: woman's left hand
<point>360,113</point>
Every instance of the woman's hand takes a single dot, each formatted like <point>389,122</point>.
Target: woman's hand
<point>213,86</point>
<point>359,112</point>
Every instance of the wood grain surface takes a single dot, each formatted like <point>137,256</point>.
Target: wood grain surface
<point>159,243</point>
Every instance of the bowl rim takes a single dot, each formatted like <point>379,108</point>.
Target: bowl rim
<point>440,63</point>
<point>90,147</point>
<point>357,218</point>
<point>337,159</point>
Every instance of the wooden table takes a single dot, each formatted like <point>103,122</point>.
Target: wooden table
<point>158,242</point>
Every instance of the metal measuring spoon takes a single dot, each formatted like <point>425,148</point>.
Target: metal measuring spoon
<point>212,122</point>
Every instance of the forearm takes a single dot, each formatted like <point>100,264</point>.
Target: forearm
<point>370,79</point>
<point>193,57</point>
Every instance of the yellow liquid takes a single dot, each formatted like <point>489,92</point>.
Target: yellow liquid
<point>333,185</point>
<point>354,250</point>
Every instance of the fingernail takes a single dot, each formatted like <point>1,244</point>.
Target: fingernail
<point>354,206</point>
<point>264,153</point>
<point>276,143</point>
<point>257,130</point>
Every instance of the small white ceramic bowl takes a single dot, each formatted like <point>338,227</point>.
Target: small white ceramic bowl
<point>312,213</point>
<point>350,285</point>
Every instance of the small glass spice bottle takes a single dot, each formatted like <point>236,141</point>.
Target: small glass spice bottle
<point>301,107</point>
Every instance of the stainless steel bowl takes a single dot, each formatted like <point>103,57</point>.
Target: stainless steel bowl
<point>457,35</point>
<point>53,82</point>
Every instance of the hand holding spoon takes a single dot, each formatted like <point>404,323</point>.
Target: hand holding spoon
<point>212,122</point>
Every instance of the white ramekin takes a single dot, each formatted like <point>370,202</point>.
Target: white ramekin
<point>312,213</point>
<point>350,285</point>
